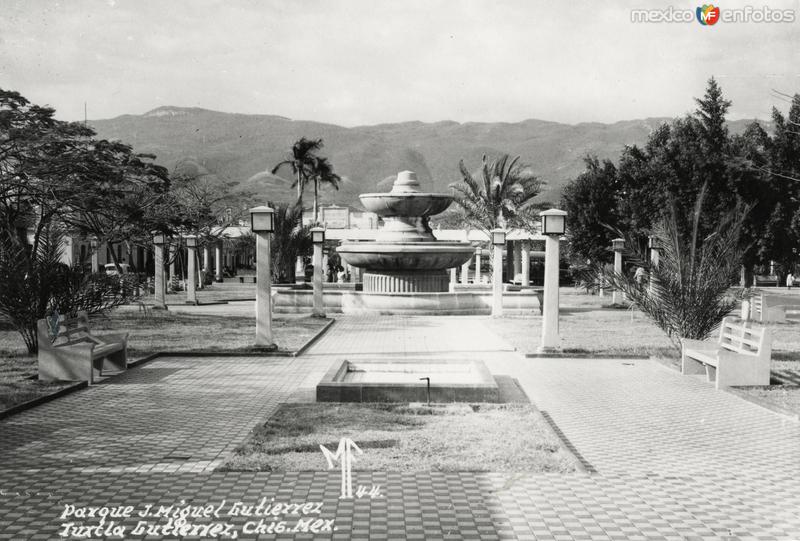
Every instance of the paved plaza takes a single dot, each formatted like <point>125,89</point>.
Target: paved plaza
<point>665,456</point>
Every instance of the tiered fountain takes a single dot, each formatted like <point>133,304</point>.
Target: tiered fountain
<point>405,257</point>
<point>405,267</point>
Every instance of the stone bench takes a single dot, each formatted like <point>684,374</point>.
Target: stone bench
<point>771,308</point>
<point>71,352</point>
<point>741,355</point>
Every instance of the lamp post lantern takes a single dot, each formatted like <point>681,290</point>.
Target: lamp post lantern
<point>191,272</point>
<point>160,286</point>
<point>261,223</point>
<point>498,237</point>
<point>318,239</point>
<point>617,245</point>
<point>553,226</point>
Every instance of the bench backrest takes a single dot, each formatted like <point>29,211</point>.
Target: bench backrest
<point>743,337</point>
<point>70,331</point>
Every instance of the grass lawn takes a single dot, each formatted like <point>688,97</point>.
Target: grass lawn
<point>406,438</point>
<point>158,331</point>
<point>588,325</point>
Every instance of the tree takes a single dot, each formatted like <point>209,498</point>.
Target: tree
<point>591,203</point>
<point>289,240</point>
<point>501,197</point>
<point>301,161</point>
<point>35,283</point>
<point>689,293</point>
<point>322,174</point>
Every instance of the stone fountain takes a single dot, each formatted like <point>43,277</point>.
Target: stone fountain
<point>405,257</point>
<point>405,267</point>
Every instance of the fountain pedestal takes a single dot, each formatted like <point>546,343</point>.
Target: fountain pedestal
<point>406,282</point>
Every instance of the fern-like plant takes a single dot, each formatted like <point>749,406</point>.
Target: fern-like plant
<point>688,293</point>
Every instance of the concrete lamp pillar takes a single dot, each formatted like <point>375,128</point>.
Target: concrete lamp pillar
<point>318,239</point>
<point>653,244</point>
<point>478,265</point>
<point>453,279</point>
<point>517,258</point>
<point>96,256</point>
<point>261,223</point>
<point>172,253</point>
<point>526,263</point>
<point>465,273</point>
<point>218,261</point>
<point>498,237</point>
<point>191,270</point>
<point>553,226</point>
<point>617,245</point>
<point>160,286</point>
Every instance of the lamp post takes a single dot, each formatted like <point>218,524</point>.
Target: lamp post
<point>478,265</point>
<point>652,243</point>
<point>160,285</point>
<point>218,261</point>
<point>261,223</point>
<point>498,241</point>
<point>95,256</point>
<point>318,239</point>
<point>553,226</point>
<point>191,270</point>
<point>617,245</point>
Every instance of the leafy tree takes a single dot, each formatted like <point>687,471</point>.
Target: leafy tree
<point>301,161</point>
<point>590,201</point>
<point>502,196</point>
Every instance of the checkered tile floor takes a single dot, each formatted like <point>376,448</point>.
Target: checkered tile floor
<point>674,458</point>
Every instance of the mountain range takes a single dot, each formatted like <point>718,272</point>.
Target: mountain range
<point>244,147</point>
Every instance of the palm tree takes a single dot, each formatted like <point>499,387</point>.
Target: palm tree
<point>689,294</point>
<point>289,240</point>
<point>302,161</point>
<point>322,173</point>
<point>501,197</point>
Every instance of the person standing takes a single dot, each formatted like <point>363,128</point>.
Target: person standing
<point>789,280</point>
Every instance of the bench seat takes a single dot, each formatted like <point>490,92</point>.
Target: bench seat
<point>75,354</point>
<point>741,355</point>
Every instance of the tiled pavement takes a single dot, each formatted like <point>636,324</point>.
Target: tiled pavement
<point>674,458</point>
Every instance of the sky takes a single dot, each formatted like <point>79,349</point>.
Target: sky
<point>362,62</point>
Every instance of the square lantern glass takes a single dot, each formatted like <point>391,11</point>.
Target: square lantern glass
<point>554,222</point>
<point>158,240</point>
<point>317,235</point>
<point>191,242</point>
<point>498,237</point>
<point>261,220</point>
<point>652,243</point>
<point>618,245</point>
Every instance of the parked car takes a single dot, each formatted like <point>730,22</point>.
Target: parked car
<point>111,269</point>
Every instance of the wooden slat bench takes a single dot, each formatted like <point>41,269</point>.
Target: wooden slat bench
<point>740,356</point>
<point>772,308</point>
<point>75,354</point>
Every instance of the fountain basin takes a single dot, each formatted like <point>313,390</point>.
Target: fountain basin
<point>404,256</point>
<point>399,381</point>
<point>408,204</point>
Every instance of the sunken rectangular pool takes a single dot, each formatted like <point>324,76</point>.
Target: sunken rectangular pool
<point>407,381</point>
